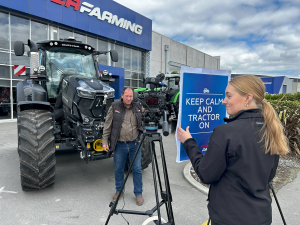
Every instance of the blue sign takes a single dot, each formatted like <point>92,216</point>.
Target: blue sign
<point>273,84</point>
<point>118,75</point>
<point>106,18</point>
<point>201,105</point>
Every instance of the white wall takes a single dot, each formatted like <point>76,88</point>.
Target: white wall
<point>178,53</point>
<point>289,85</point>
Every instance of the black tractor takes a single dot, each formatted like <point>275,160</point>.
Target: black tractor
<point>62,105</point>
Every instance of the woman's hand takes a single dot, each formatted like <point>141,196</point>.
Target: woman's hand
<point>183,135</point>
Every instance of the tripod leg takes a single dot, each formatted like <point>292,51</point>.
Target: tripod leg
<point>155,182</point>
<point>271,187</point>
<point>114,205</point>
<point>167,184</point>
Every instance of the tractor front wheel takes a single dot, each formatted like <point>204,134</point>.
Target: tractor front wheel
<point>36,149</point>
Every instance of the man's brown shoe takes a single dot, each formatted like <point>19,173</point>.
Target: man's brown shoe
<point>139,200</point>
<point>116,195</point>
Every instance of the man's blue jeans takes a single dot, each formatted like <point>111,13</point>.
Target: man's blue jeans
<point>120,157</point>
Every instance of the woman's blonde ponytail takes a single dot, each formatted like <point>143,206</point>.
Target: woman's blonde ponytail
<point>272,132</point>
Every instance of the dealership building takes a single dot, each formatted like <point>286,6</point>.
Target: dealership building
<point>103,24</point>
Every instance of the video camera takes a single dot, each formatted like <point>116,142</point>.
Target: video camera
<point>154,102</point>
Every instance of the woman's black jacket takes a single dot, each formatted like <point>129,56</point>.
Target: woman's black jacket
<point>238,170</point>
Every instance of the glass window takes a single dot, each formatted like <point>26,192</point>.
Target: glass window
<point>15,82</point>
<point>141,76</point>
<point>19,30</point>
<point>80,37</point>
<point>64,34</point>
<point>4,32</point>
<point>15,100</point>
<point>92,42</point>
<point>102,46</point>
<point>4,58</point>
<point>134,60</point>
<point>127,83</point>
<point>20,60</point>
<point>4,99</point>
<point>134,83</point>
<point>134,75</point>
<point>119,49</point>
<point>141,83</point>
<point>139,59</point>
<point>143,62</point>
<point>127,58</point>
<point>4,72</point>
<point>39,31</point>
<point>53,33</point>
<point>127,74</point>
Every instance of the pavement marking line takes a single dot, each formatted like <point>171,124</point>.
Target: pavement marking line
<point>2,191</point>
<point>205,223</point>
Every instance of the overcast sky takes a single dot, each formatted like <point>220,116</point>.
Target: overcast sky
<point>251,36</point>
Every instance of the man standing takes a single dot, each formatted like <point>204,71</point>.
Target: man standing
<point>123,127</point>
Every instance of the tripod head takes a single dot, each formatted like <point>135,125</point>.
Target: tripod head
<point>151,123</point>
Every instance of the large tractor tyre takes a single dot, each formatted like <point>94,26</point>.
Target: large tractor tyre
<point>36,149</point>
<point>145,157</point>
<point>146,153</point>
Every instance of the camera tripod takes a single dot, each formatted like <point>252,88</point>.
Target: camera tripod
<point>166,196</point>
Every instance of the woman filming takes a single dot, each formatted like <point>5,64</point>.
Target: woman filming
<point>242,156</point>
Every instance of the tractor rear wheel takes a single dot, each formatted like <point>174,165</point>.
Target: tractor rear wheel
<point>146,153</point>
<point>145,157</point>
<point>36,149</point>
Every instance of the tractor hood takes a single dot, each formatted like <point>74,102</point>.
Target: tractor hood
<point>86,87</point>
<point>89,88</point>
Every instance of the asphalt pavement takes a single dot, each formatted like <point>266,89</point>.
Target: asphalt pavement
<point>82,192</point>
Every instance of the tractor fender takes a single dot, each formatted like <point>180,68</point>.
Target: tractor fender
<point>27,105</point>
<point>29,91</point>
<point>32,96</point>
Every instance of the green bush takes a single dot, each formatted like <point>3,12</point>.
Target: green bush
<point>289,114</point>
<point>284,97</point>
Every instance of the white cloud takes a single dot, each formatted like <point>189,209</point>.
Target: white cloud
<point>251,36</point>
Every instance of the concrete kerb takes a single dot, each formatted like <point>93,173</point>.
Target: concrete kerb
<point>187,175</point>
<point>8,121</point>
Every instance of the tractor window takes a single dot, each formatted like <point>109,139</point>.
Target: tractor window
<point>172,84</point>
<point>62,62</point>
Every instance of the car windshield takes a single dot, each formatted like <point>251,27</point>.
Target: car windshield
<point>62,62</point>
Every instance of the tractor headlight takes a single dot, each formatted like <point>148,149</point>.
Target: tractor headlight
<point>87,120</point>
<point>109,91</point>
<point>85,91</point>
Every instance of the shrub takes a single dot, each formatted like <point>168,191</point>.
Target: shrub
<point>285,97</point>
<point>289,114</point>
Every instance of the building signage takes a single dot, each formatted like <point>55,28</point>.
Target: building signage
<point>200,105</point>
<point>86,7</point>
<point>272,84</point>
<point>267,82</point>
